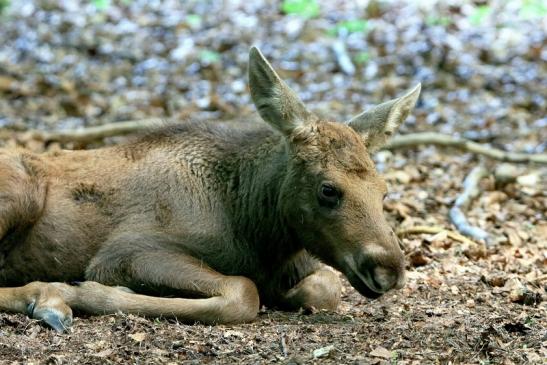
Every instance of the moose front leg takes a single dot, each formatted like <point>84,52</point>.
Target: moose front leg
<point>41,301</point>
<point>319,290</point>
<point>154,262</point>
<point>140,261</point>
<point>312,285</point>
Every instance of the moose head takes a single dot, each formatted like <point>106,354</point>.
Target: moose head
<point>332,195</point>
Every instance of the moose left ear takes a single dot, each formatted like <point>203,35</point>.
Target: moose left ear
<point>378,124</point>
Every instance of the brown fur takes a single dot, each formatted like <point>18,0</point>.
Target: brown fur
<point>216,214</point>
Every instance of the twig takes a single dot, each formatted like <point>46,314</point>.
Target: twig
<point>92,134</point>
<point>439,139</point>
<point>470,191</point>
<point>342,57</point>
<point>283,344</point>
<point>434,230</point>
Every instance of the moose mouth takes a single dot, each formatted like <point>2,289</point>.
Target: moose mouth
<point>363,282</point>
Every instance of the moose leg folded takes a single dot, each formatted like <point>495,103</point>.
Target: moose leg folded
<point>304,282</point>
<point>40,301</point>
<point>319,290</point>
<point>153,262</point>
<point>221,298</point>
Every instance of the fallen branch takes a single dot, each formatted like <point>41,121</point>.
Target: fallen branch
<point>470,191</point>
<point>434,230</point>
<point>342,57</point>
<point>93,134</point>
<point>439,139</point>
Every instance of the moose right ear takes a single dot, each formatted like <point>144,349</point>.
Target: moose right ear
<point>276,103</point>
<point>378,124</point>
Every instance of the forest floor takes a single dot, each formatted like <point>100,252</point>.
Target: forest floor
<point>65,65</point>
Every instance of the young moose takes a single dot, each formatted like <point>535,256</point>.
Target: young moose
<point>202,221</point>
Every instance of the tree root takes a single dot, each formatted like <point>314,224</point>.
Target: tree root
<point>439,139</point>
<point>434,230</point>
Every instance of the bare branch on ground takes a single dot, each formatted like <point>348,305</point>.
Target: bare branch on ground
<point>93,134</point>
<point>445,140</point>
<point>470,191</point>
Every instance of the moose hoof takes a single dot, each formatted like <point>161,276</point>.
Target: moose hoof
<point>58,319</point>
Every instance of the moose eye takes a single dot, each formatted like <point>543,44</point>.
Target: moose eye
<point>329,196</point>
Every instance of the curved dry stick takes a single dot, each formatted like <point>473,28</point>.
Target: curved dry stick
<point>470,191</point>
<point>92,134</point>
<point>439,139</point>
<point>434,230</point>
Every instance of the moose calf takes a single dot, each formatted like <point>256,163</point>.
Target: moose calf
<point>203,221</point>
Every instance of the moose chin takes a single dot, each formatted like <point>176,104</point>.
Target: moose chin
<point>223,216</point>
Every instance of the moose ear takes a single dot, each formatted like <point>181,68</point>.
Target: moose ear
<point>378,124</point>
<point>276,103</point>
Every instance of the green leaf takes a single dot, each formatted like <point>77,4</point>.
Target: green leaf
<point>303,8</point>
<point>193,20</point>
<point>101,4</point>
<point>362,57</point>
<point>533,9</point>
<point>208,57</point>
<point>432,20</point>
<point>349,26</point>
<point>4,5</point>
<point>480,14</point>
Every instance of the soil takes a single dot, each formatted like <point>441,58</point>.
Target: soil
<point>482,65</point>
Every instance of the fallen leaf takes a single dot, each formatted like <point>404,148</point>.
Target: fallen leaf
<point>529,180</point>
<point>323,351</point>
<point>513,236</point>
<point>231,333</point>
<point>6,83</point>
<point>381,352</point>
<point>139,336</point>
<point>495,280</point>
<point>104,353</point>
<point>417,258</point>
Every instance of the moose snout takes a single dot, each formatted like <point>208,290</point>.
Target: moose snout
<point>372,278</point>
<point>384,278</point>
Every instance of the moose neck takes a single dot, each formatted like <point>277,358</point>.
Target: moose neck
<point>257,202</point>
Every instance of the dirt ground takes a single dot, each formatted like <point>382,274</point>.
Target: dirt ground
<point>66,65</point>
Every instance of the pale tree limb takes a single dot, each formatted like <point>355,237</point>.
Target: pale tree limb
<point>445,140</point>
<point>434,230</point>
<point>93,134</point>
<point>470,191</point>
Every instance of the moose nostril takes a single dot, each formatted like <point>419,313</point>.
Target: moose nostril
<point>384,278</point>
